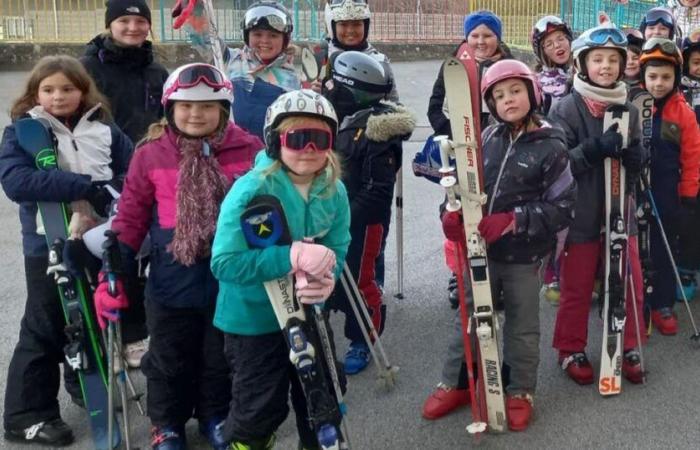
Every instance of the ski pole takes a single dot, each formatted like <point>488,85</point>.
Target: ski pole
<point>387,372</point>
<point>399,231</point>
<point>630,277</point>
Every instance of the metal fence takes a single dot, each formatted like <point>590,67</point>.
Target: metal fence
<point>392,20</point>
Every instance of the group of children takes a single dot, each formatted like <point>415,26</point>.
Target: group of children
<point>331,155</point>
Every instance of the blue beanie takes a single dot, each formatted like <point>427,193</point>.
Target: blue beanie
<point>487,18</point>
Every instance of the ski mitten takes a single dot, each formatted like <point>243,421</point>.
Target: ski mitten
<point>493,226</point>
<point>106,306</point>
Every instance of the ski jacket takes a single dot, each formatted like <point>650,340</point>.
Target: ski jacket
<point>92,151</point>
<point>675,147</point>
<point>148,204</point>
<point>130,79</point>
<point>687,18</point>
<point>242,306</point>
<point>571,114</point>
<point>690,87</point>
<point>369,144</point>
<point>532,177</point>
<point>556,84</point>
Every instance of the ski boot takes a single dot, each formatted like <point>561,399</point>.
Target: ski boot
<point>664,319</point>
<point>213,430</point>
<point>519,411</point>
<point>168,438</point>
<point>632,367</point>
<point>550,293</point>
<point>577,367</point>
<point>689,283</point>
<point>452,292</point>
<point>356,358</point>
<point>444,400</point>
<point>260,444</point>
<point>54,433</point>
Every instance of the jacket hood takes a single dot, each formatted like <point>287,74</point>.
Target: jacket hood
<point>390,121</point>
<point>103,48</point>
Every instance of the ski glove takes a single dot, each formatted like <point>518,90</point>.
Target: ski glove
<point>314,259</point>
<point>78,258</point>
<point>608,145</point>
<point>315,290</point>
<point>453,226</point>
<point>632,160</point>
<point>106,306</point>
<point>493,226</point>
<point>100,199</point>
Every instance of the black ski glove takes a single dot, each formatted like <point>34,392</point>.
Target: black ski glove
<point>100,198</point>
<point>608,145</point>
<point>632,160</point>
<point>78,258</point>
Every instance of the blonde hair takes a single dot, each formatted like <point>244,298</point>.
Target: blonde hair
<point>157,129</point>
<point>72,69</point>
<point>332,169</point>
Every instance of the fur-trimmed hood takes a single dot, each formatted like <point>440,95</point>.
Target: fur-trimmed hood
<point>384,122</point>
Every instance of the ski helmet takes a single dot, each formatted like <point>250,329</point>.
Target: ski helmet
<point>602,36</point>
<point>267,15</point>
<point>665,50</point>
<point>361,75</point>
<point>659,15</point>
<point>343,10</point>
<point>635,39</point>
<point>689,45</point>
<point>543,27</point>
<point>505,70</point>
<point>303,102</point>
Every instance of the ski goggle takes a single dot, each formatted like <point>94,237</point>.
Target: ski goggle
<point>300,139</point>
<point>201,73</point>
<point>602,36</point>
<point>665,45</point>
<point>662,16</point>
<point>261,16</point>
<point>548,23</point>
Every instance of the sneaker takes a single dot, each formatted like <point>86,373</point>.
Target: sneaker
<point>260,444</point>
<point>134,351</point>
<point>168,438</point>
<point>443,400</point>
<point>452,292</point>
<point>356,358</point>
<point>632,367</point>
<point>577,367</point>
<point>519,411</point>
<point>665,321</point>
<point>213,430</point>
<point>54,433</point>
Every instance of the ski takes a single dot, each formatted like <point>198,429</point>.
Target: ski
<point>463,99</point>
<point>613,313</point>
<point>83,351</point>
<point>264,224</point>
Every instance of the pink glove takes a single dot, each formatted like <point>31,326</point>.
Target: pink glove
<point>315,290</point>
<point>494,226</point>
<point>453,226</point>
<point>314,259</point>
<point>107,306</point>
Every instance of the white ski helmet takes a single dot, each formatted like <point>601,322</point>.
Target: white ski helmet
<point>303,102</point>
<point>342,10</point>
<point>602,36</point>
<point>197,82</point>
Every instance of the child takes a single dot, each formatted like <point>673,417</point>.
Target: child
<point>599,56</point>
<point>369,144</point>
<point>90,155</point>
<point>123,53</point>
<point>527,205</point>
<point>551,42</point>
<point>690,83</point>
<point>173,190</point>
<point>687,15</point>
<point>262,70</point>
<point>301,170</point>
<point>674,171</point>
<point>635,41</point>
<point>658,22</point>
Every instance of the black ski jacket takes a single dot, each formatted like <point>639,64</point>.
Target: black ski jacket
<point>369,145</point>
<point>532,177</point>
<point>130,79</point>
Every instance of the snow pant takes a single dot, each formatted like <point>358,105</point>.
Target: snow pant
<point>261,383</point>
<point>663,279</point>
<point>579,265</point>
<point>185,367</point>
<point>520,284</point>
<point>362,254</point>
<point>689,242</point>
<point>380,268</point>
<point>133,318</point>
<point>34,376</point>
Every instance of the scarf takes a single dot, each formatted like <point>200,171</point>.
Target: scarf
<point>245,66</point>
<point>201,188</point>
<point>598,98</point>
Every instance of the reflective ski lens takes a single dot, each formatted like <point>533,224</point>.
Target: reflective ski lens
<point>602,36</point>
<point>659,15</point>
<point>266,16</point>
<point>300,138</point>
<point>666,46</point>
<point>201,73</point>
<point>548,21</point>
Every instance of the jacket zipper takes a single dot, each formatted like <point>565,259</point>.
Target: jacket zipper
<point>500,170</point>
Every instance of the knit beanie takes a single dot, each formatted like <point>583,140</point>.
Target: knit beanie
<point>117,8</point>
<point>483,17</point>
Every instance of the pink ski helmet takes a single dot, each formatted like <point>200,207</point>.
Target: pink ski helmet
<point>507,69</point>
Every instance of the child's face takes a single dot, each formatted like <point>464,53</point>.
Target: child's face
<point>603,66</point>
<point>659,80</point>
<point>350,32</point>
<point>130,31</point>
<point>306,163</point>
<point>483,41</point>
<point>557,48</point>
<point>657,30</point>
<point>58,95</point>
<point>690,3</point>
<point>197,119</point>
<point>694,64</point>
<point>632,67</point>
<point>512,100</point>
<point>267,44</point>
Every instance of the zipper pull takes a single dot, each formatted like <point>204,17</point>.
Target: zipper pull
<point>75,146</point>
<point>205,148</point>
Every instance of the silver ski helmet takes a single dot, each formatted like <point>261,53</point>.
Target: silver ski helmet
<point>344,10</point>
<point>542,28</point>
<point>362,75</point>
<point>602,36</point>
<point>303,102</point>
<point>267,15</point>
<point>504,70</point>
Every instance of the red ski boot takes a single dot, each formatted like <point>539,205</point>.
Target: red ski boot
<point>519,408</point>
<point>665,321</point>
<point>577,367</point>
<point>443,401</point>
<point>632,367</point>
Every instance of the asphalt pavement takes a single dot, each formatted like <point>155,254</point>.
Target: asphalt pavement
<point>661,414</point>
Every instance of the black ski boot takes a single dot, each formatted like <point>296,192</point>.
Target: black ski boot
<point>54,433</point>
